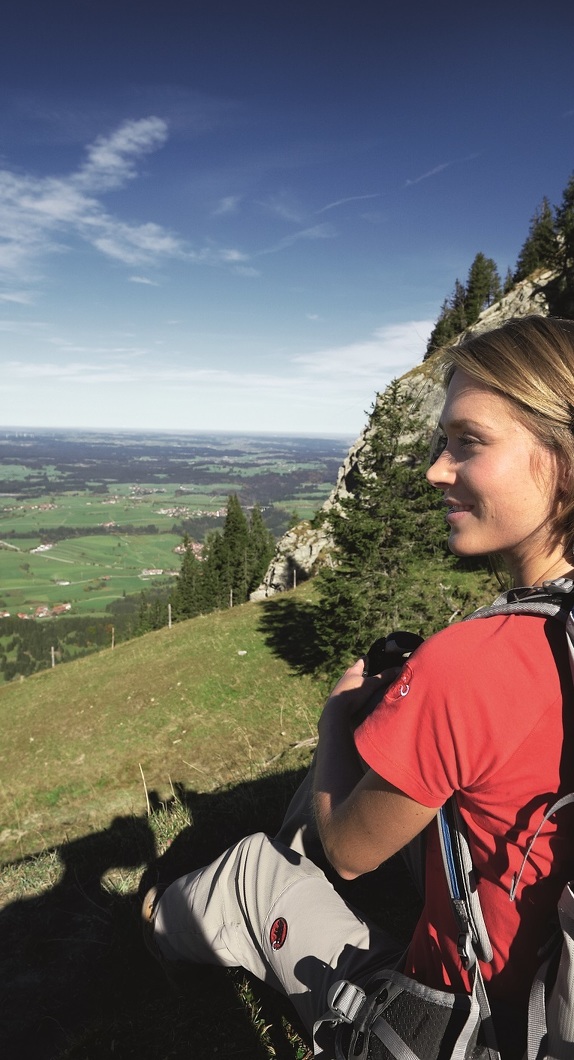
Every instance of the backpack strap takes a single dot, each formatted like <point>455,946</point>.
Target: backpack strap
<point>554,599</point>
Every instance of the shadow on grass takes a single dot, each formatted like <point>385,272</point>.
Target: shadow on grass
<point>76,981</point>
<point>289,627</point>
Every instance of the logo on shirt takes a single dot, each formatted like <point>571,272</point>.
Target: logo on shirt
<point>278,933</point>
<point>401,687</point>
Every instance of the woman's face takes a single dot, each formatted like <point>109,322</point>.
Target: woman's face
<point>498,482</point>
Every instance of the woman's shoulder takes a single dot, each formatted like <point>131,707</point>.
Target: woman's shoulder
<point>479,647</point>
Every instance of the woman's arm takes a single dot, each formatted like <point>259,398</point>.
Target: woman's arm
<point>362,820</point>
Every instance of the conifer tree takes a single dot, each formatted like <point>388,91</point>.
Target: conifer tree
<point>539,249</point>
<point>235,539</point>
<point>562,294</point>
<point>482,287</point>
<point>260,549</point>
<point>187,596</point>
<point>508,281</point>
<point>213,591</point>
<point>443,331</point>
<point>451,320</point>
<point>391,517</point>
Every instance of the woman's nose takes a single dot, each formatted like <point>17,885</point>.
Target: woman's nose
<point>439,473</point>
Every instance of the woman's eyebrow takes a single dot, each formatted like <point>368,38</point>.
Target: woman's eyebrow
<point>464,422</point>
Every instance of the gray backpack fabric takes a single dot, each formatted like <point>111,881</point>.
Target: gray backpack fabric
<point>396,1018</point>
<point>551,1005</point>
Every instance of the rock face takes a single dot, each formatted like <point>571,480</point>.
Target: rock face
<point>302,549</point>
<point>294,561</point>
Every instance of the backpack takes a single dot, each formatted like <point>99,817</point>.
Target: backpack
<point>396,1018</point>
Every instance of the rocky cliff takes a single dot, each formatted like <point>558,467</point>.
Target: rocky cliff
<point>302,549</point>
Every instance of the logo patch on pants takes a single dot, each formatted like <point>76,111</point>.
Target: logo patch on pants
<point>278,933</point>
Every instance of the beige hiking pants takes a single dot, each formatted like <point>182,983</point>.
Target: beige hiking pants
<point>265,906</point>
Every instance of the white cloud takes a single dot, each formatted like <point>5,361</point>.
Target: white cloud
<point>229,204</point>
<point>18,297</point>
<point>349,198</point>
<point>440,168</point>
<point>39,215</point>
<point>143,279</point>
<point>429,173</point>
<point>246,270</point>
<point>111,158</point>
<point>361,367</point>
<point>321,231</point>
<point>388,353</point>
<point>283,205</point>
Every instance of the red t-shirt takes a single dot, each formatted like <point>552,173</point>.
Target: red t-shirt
<point>485,708</point>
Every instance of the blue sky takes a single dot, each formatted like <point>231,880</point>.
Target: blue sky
<point>237,215</point>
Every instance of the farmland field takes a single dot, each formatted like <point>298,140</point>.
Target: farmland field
<point>85,517</point>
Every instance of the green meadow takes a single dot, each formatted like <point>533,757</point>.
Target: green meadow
<point>153,757</point>
<point>150,757</point>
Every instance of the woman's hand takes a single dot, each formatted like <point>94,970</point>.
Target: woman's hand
<point>354,693</point>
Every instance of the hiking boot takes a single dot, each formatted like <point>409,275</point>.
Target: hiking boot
<point>178,973</point>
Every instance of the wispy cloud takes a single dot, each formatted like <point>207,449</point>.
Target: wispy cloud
<point>229,204</point>
<point>145,280</point>
<point>429,173</point>
<point>321,231</point>
<point>284,205</point>
<point>40,215</point>
<point>388,352</point>
<point>246,270</point>
<point>349,198</point>
<point>111,159</point>
<point>331,388</point>
<point>440,168</point>
<point>18,297</point>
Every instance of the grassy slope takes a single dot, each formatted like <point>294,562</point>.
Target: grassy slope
<point>182,703</point>
<point>222,739</point>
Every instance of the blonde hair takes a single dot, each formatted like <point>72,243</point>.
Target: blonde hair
<point>530,362</point>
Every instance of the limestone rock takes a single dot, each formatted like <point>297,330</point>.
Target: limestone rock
<point>294,561</point>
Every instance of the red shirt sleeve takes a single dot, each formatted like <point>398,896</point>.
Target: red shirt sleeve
<point>450,720</point>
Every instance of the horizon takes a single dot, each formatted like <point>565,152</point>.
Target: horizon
<point>8,430</point>
<point>223,216</point>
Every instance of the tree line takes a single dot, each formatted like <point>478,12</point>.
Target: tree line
<point>549,244</point>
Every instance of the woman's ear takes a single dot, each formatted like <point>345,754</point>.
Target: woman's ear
<point>564,478</point>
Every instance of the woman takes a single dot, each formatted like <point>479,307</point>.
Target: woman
<point>483,709</point>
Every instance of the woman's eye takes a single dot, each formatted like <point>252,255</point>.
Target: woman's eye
<point>465,441</point>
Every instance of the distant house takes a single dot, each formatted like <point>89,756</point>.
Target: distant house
<point>4,614</point>
<point>60,609</point>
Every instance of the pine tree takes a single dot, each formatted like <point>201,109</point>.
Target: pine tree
<point>187,597</point>
<point>508,281</point>
<point>443,331</point>
<point>458,307</point>
<point>562,294</point>
<point>226,571</point>
<point>482,287</point>
<point>260,549</point>
<point>539,249</point>
<point>214,573</point>
<point>235,538</point>
<point>391,517</point>
<point>451,321</point>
